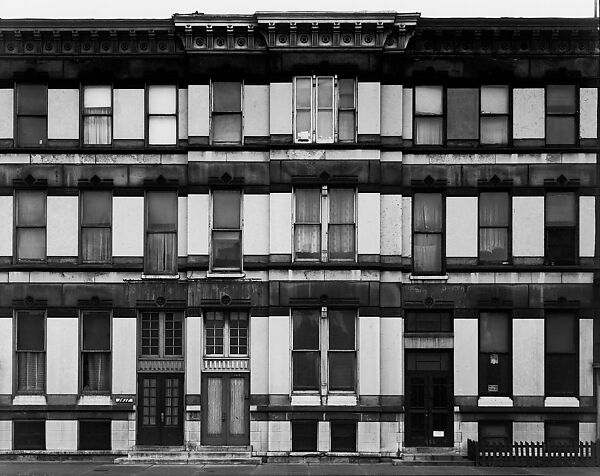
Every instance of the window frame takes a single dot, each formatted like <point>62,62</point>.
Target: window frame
<point>482,371</point>
<point>240,230</point>
<point>442,233</point>
<point>84,114</point>
<point>417,115</point>
<point>576,353</point>
<point>20,421</point>
<point>325,224</point>
<point>94,226</point>
<point>17,226</point>
<point>574,424</point>
<point>162,334</point>
<point>508,425</point>
<point>17,126</point>
<point>574,115</point>
<point>573,228</point>
<point>324,350</point>
<point>340,110</point>
<point>16,351</point>
<point>224,113</point>
<point>226,334</point>
<point>149,115</point>
<point>173,230</point>
<point>341,422</point>
<point>507,115</point>
<point>508,229</point>
<point>82,351</point>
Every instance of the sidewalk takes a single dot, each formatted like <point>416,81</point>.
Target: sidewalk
<point>269,469</point>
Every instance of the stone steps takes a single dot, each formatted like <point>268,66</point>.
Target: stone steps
<point>429,456</point>
<point>216,455</point>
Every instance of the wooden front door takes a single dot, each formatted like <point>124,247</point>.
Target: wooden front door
<point>160,409</point>
<point>429,398</point>
<point>225,418</point>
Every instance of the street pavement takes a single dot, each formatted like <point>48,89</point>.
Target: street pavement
<point>270,469</point>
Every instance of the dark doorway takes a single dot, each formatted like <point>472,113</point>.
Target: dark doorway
<point>160,409</point>
<point>429,398</point>
<point>225,419</point>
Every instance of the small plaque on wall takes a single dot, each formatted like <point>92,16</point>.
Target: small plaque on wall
<point>492,388</point>
<point>439,433</point>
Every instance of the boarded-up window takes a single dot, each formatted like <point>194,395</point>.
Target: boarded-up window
<point>463,113</point>
<point>494,227</point>
<point>561,434</point>
<point>161,233</point>
<point>97,115</point>
<point>427,233</point>
<point>495,433</point>
<point>31,352</point>
<point>495,363</point>
<point>162,115</point>
<point>226,246</point>
<point>32,115</point>
<point>95,352</point>
<point>30,225</point>
<point>562,354</point>
<point>226,125</point>
<point>343,436</point>
<point>94,435</point>
<point>29,435</point>
<point>561,228</point>
<point>304,435</point>
<point>561,108</point>
<point>429,119</point>
<point>96,219</point>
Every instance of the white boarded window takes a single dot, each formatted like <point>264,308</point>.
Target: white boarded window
<point>162,115</point>
<point>226,121</point>
<point>97,115</point>
<point>429,115</point>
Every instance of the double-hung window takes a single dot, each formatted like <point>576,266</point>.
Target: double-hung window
<point>561,434</point>
<point>32,115</point>
<point>31,352</point>
<point>494,227</point>
<point>226,333</point>
<point>226,120</point>
<point>561,112</point>
<point>429,115</point>
<point>97,115</point>
<point>562,356</point>
<point>96,218</point>
<point>561,227</point>
<point>428,233</point>
<point>30,225</point>
<point>95,352</point>
<point>497,433</point>
<point>494,115</point>
<point>324,350</point>
<point>495,363</point>
<point>161,334</point>
<point>161,233</point>
<point>324,224</point>
<point>324,109</point>
<point>162,115</point>
<point>226,243</point>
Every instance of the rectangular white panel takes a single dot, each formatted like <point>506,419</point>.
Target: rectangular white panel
<point>368,216</point>
<point>193,354</point>
<point>259,355</point>
<point>528,357</point>
<point>162,99</point>
<point>588,113</point>
<point>587,226</point>
<point>391,110</point>
<point>6,355</point>
<point>62,355</point>
<point>97,96</point>
<point>528,226</point>
<point>280,108</point>
<point>369,108</point>
<point>368,435</point>
<point>392,356</point>
<point>280,228</point>
<point>62,226</point>
<point>368,356</point>
<point>407,226</point>
<point>198,110</point>
<point>256,224</point>
<point>128,226</point>
<point>528,113</point>
<point>461,227</point>
<point>586,357</point>
<point>466,357</point>
<point>63,113</point>
<point>128,114</point>
<point>198,228</point>
<point>61,435</point>
<point>407,113</point>
<point>256,110</point>
<point>279,355</point>
<point>124,357</point>
<point>391,225</point>
<point>6,231</point>
<point>7,113</point>
<point>182,114</point>
<point>182,226</point>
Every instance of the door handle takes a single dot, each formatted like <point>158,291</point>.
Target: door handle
<point>162,417</point>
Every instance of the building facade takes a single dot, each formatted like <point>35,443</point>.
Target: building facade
<point>301,232</point>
